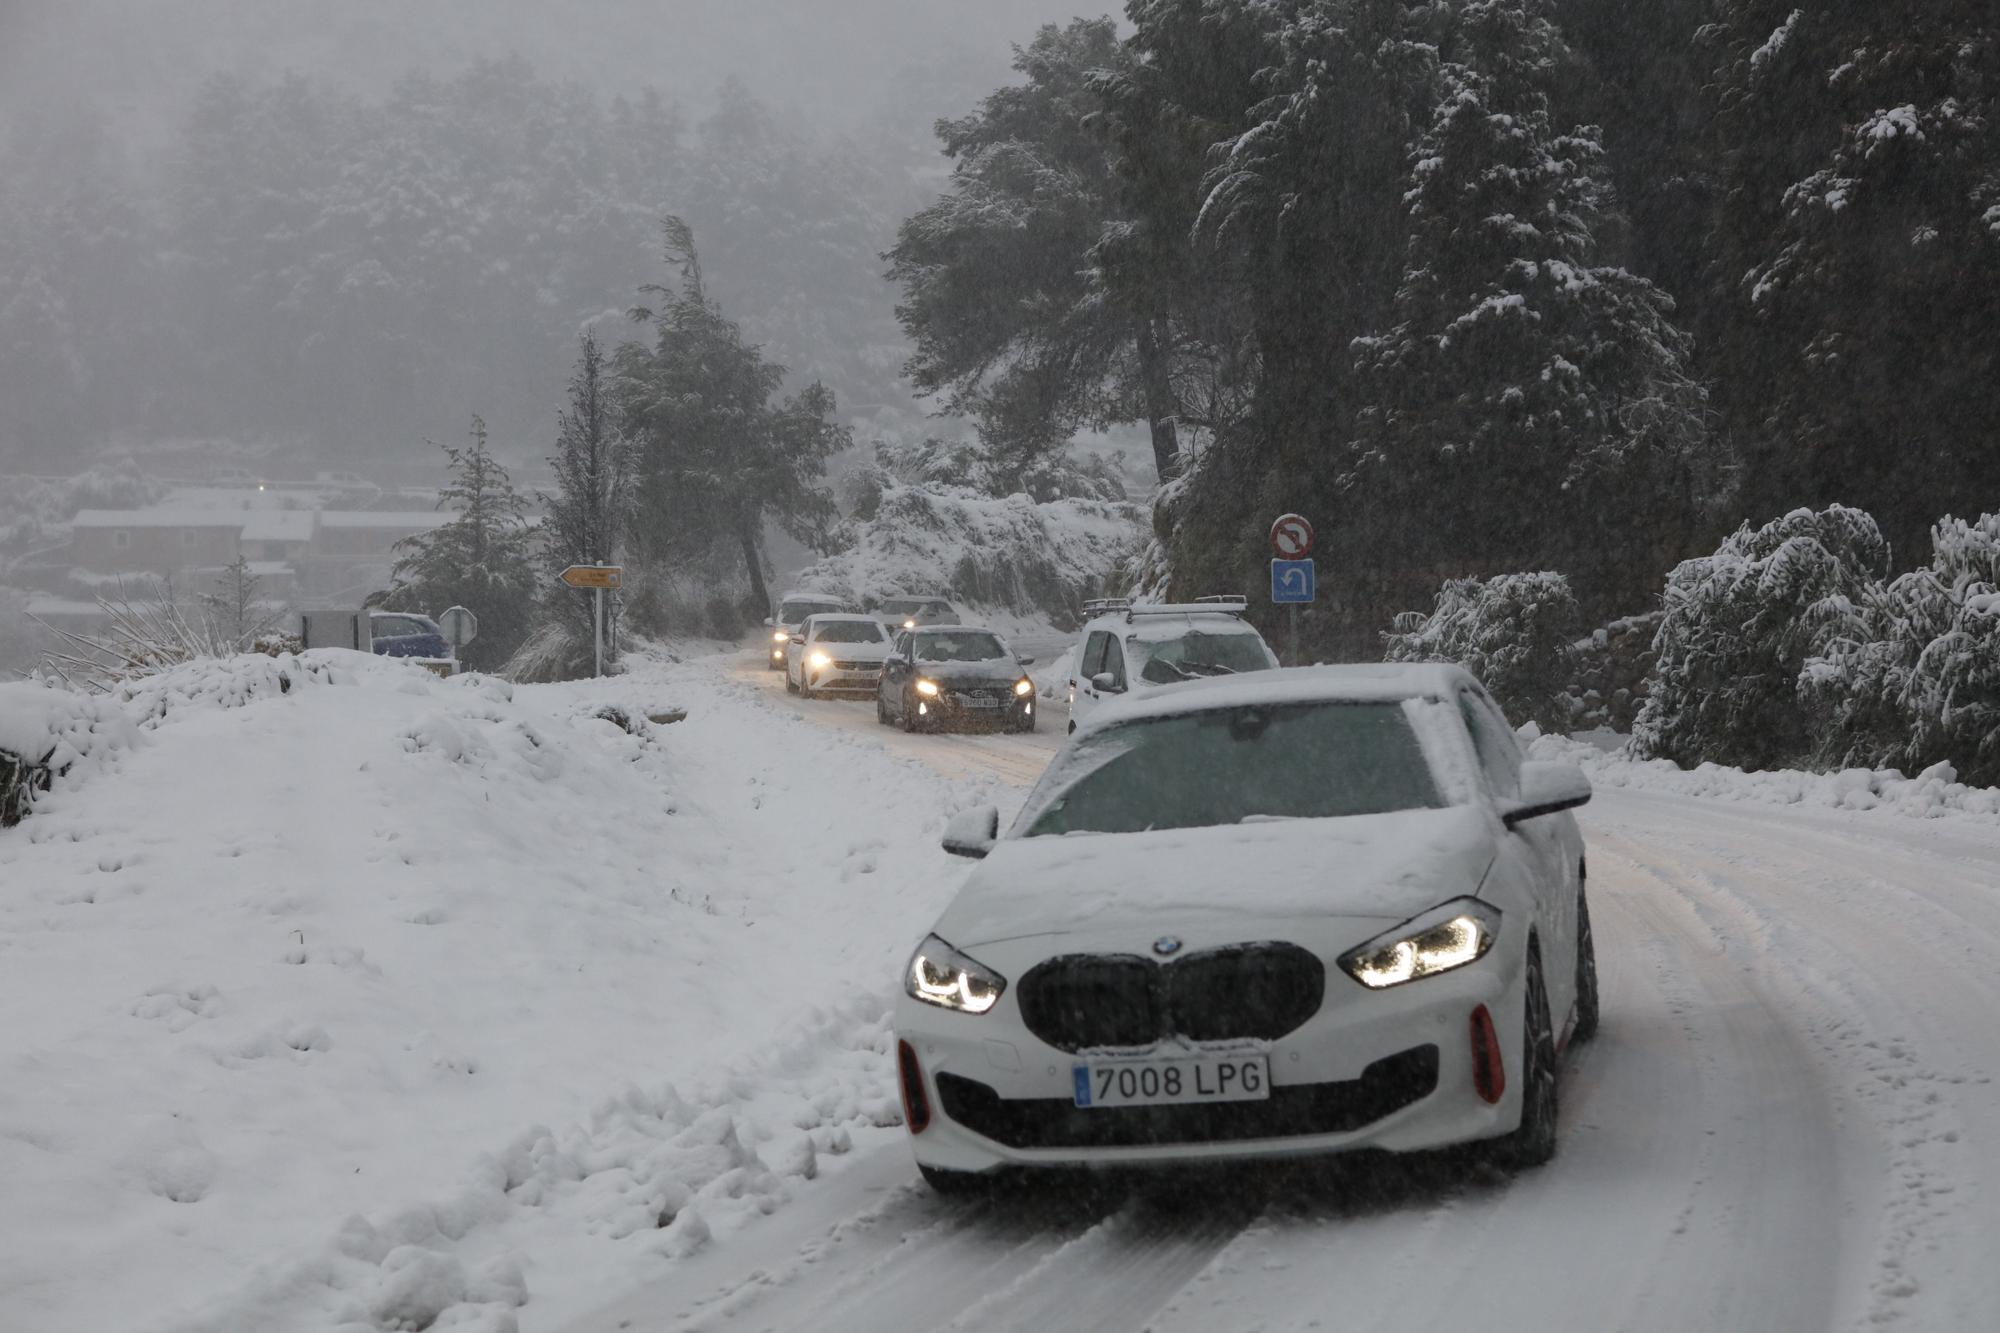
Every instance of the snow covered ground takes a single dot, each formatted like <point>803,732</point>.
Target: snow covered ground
<point>385,1002</point>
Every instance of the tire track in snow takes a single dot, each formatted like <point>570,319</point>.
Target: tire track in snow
<point>1893,989</point>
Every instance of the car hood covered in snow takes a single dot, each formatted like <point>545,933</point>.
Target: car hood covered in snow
<point>992,671</point>
<point>1389,867</point>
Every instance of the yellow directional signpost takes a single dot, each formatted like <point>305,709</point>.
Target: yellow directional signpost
<point>597,578</point>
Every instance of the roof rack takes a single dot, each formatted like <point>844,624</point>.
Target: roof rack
<point>1097,606</point>
<point>1228,606</point>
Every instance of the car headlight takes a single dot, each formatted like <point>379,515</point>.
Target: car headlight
<point>781,637</point>
<point>1444,938</point>
<point>927,688</point>
<point>909,624</point>
<point>941,975</point>
<point>819,660</point>
<point>1024,687</point>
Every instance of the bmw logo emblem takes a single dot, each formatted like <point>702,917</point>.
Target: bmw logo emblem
<point>1167,945</point>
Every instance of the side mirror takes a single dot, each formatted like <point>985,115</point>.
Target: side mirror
<point>1025,661</point>
<point>798,638</point>
<point>1106,683</point>
<point>1545,789</point>
<point>973,832</point>
<point>770,623</point>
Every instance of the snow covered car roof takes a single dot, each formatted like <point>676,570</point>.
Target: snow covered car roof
<point>1368,682</point>
<point>836,617</point>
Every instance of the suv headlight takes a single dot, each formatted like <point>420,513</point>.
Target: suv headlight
<point>1446,937</point>
<point>1024,687</point>
<point>781,637</point>
<point>819,660</point>
<point>941,975</point>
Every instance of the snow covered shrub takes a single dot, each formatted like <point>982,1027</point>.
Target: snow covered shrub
<point>1738,627</point>
<point>1913,675</point>
<point>1516,632</point>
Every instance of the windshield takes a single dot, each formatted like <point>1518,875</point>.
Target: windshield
<point>1229,765</point>
<point>960,646</point>
<point>901,606</point>
<point>847,631</point>
<point>791,613</point>
<point>1201,653</point>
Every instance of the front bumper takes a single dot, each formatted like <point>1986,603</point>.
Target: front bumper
<point>1390,1070</point>
<point>955,706</point>
<point>845,676</point>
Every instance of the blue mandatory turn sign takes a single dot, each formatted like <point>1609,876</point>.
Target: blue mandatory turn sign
<point>1292,581</point>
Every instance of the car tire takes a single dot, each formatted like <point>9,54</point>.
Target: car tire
<point>1072,727</point>
<point>1587,1004</point>
<point>805,690</point>
<point>956,1184</point>
<point>908,720</point>
<point>881,710</point>
<point>1534,1141</point>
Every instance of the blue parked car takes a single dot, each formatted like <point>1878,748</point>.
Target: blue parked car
<point>406,634</point>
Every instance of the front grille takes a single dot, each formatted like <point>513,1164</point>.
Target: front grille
<point>1082,1001</point>
<point>1387,1085</point>
<point>857,666</point>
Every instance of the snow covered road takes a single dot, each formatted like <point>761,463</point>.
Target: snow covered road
<point>1784,1125</point>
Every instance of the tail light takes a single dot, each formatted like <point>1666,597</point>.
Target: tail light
<point>916,1106</point>
<point>1489,1070</point>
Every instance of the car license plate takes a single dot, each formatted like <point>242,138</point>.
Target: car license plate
<point>980,701</point>
<point>1208,1078</point>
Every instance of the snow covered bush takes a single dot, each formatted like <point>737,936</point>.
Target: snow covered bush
<point>1911,675</point>
<point>1738,627</point>
<point>1005,554</point>
<point>1516,632</point>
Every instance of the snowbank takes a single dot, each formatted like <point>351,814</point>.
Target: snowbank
<point>991,555</point>
<point>1934,793</point>
<point>331,991</point>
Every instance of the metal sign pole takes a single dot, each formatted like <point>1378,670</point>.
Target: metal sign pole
<point>597,616</point>
<point>1292,615</point>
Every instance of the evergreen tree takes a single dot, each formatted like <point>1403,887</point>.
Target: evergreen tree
<point>719,451</point>
<point>585,519</point>
<point>1516,356</point>
<point>1856,251</point>
<point>1002,293</point>
<point>482,560</point>
<point>235,608</point>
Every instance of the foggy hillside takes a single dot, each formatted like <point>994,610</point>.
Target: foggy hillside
<point>340,230</point>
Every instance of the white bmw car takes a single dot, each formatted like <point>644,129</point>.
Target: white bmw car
<point>1299,912</point>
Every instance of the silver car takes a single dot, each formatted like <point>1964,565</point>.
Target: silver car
<point>901,613</point>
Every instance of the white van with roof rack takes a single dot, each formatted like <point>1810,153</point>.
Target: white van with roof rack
<point>1130,649</point>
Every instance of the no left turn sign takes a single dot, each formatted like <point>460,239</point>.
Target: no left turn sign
<point>1292,537</point>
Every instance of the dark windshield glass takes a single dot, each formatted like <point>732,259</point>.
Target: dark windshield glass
<point>901,606</point>
<point>959,646</point>
<point>401,627</point>
<point>1197,654</point>
<point>847,631</point>
<point>1225,766</point>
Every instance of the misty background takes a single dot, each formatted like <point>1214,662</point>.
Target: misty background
<point>330,232</point>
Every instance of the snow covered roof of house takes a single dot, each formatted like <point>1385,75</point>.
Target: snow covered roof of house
<point>385,518</point>
<point>159,518</point>
<point>279,525</point>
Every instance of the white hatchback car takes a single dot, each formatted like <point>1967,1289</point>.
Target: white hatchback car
<point>835,652</point>
<point>1127,651</point>
<point>1303,912</point>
